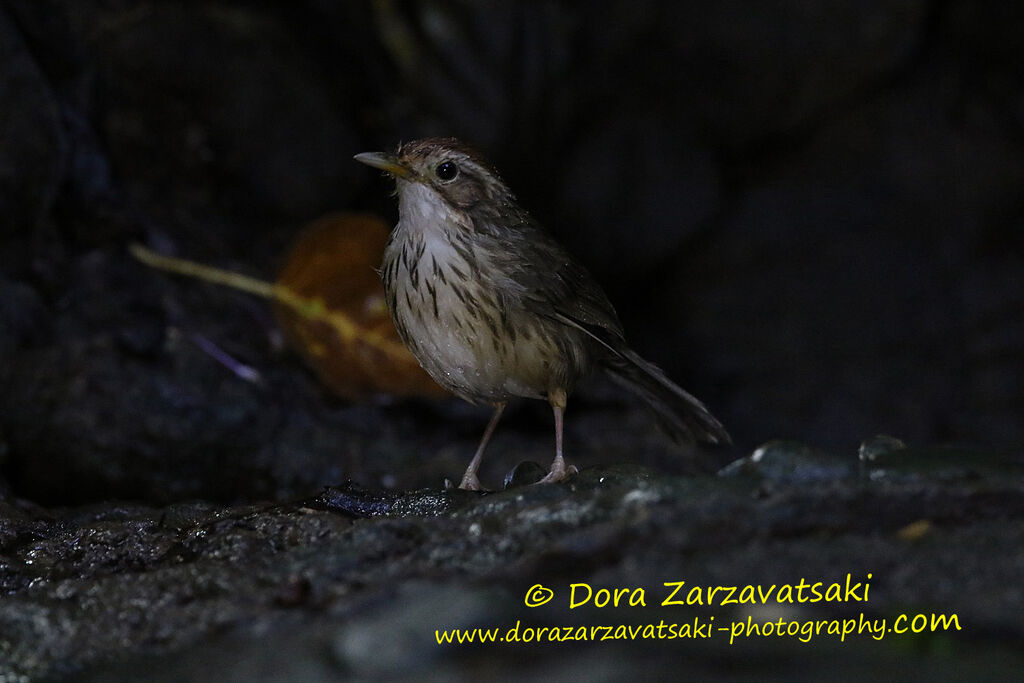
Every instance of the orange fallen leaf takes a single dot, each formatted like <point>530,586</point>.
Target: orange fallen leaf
<point>330,305</point>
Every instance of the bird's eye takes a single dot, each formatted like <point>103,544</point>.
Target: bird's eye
<point>447,170</point>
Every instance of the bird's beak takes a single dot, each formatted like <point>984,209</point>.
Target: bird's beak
<point>385,162</point>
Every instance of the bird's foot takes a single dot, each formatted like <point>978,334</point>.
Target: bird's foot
<point>559,471</point>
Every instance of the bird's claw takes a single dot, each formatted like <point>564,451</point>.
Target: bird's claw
<point>558,474</point>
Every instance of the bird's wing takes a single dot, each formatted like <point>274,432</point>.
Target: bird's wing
<point>556,286</point>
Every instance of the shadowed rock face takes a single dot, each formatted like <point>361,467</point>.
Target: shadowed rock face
<point>809,215</point>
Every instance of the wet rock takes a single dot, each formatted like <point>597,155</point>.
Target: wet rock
<point>790,462</point>
<point>352,499</point>
<point>524,473</point>
<point>946,464</point>
<point>120,589</point>
<point>360,651</point>
<point>878,447</point>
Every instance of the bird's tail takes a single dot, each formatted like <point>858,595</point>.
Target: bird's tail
<point>681,415</point>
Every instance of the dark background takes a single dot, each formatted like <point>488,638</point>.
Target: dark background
<point>809,213</point>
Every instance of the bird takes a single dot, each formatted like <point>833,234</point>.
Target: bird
<point>494,308</point>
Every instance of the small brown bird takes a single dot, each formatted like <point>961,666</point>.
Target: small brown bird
<point>493,307</point>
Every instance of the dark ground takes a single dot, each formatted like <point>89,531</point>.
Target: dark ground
<point>809,213</point>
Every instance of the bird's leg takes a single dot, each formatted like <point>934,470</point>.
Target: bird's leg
<point>469,479</point>
<point>558,471</point>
